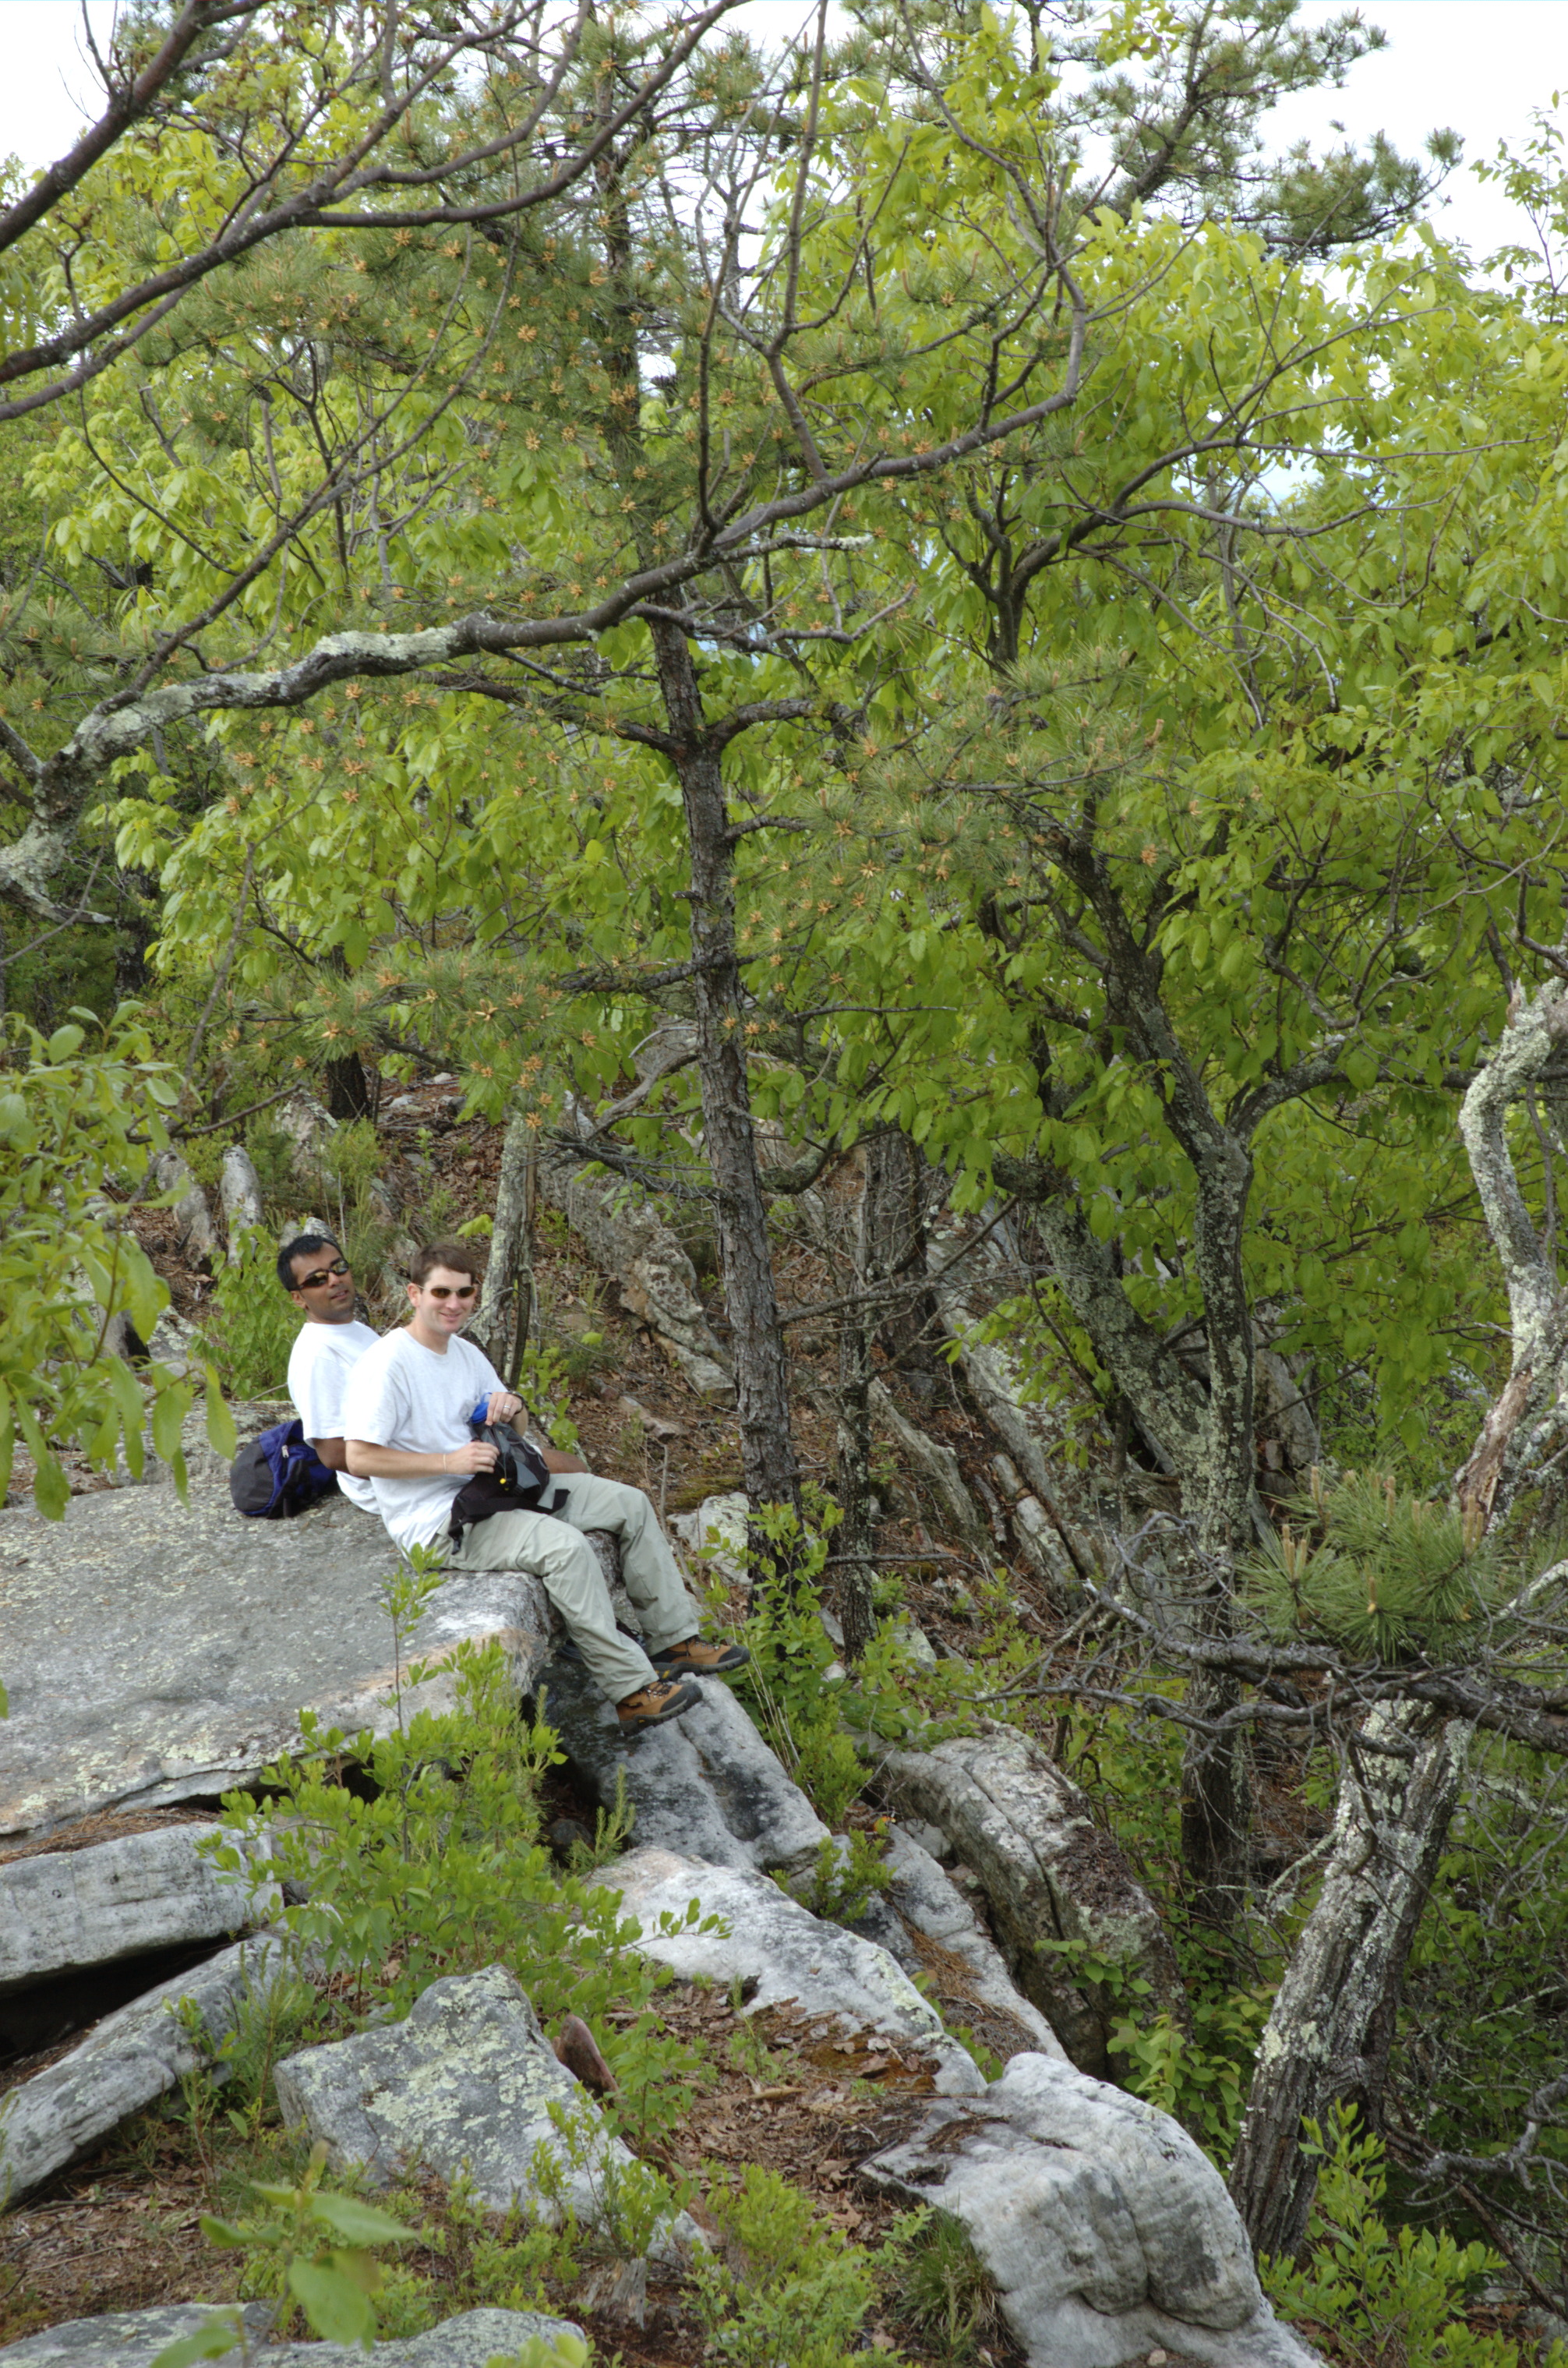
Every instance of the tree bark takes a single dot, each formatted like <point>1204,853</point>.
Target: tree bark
<point>853,1481</point>
<point>892,1246</point>
<point>348,1094</point>
<point>768,1468</point>
<point>1328,2034</point>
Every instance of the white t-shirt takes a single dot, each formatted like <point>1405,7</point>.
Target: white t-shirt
<point>401,1395</point>
<point>319,1365</point>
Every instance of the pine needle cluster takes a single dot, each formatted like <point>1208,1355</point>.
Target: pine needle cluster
<point>1379,1571</point>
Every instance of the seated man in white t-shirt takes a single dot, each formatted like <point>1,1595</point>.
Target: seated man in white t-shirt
<point>315,1273</point>
<point>406,1417</point>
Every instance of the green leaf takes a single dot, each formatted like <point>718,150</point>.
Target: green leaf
<point>224,2331</point>
<point>361,2224</point>
<point>339,2311</point>
<point>221,1431</point>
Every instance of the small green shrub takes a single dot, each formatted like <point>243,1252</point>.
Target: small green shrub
<point>944,2287</point>
<point>251,1324</point>
<point>1372,2288</point>
<point>786,2285</point>
<point>849,1872</point>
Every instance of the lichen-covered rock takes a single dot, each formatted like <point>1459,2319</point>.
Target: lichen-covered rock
<point>465,2084</point>
<point>61,1911</point>
<point>1107,2232</point>
<point>132,2057</point>
<point>133,2338</point>
<point>781,1955</point>
<point>1049,1871</point>
<point>630,1240</point>
<point>716,1533</point>
<point>706,1784</point>
<point>157,1651</point>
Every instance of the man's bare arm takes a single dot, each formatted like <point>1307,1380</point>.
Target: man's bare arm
<point>366,1461</point>
<point>332,1452</point>
<point>555,1462</point>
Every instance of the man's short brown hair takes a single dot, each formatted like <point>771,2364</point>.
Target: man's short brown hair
<point>456,1255</point>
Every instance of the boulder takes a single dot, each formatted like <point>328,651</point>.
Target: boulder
<point>133,2057</point>
<point>239,1190</point>
<point>706,1784</point>
<point>1109,2234</point>
<point>782,1956</point>
<point>465,2084</point>
<point>969,1974</point>
<point>62,1911</point>
<point>193,1218</point>
<point>1049,1873</point>
<point>716,1532</point>
<point>133,2338</point>
<point>630,1240</point>
<point>306,1121</point>
<point>158,1652</point>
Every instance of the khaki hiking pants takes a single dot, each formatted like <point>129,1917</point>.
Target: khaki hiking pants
<point>549,1546</point>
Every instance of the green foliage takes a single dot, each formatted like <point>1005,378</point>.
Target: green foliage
<point>429,1864</point>
<point>1393,1574</point>
<point>848,1872</point>
<point>631,2200</point>
<point>252,1323</point>
<point>320,2244</point>
<point>1369,2286</point>
<point>544,1386</point>
<point>1200,2077</point>
<point>944,2287</point>
<point>784,2286</point>
<point>81,1111</point>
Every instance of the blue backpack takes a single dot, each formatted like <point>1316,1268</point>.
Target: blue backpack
<point>279,1474</point>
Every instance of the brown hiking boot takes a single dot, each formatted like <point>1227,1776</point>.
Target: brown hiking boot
<point>651,1705</point>
<point>695,1657</point>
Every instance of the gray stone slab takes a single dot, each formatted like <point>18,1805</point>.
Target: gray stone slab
<point>465,2084</point>
<point>706,1785</point>
<point>158,1652</point>
<point>68,1910</point>
<point>1109,2233</point>
<point>929,1904</point>
<point>133,2338</point>
<point>129,2059</point>
<point>782,1955</point>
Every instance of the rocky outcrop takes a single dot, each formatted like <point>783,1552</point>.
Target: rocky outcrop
<point>632,1242</point>
<point>158,1652</point>
<point>465,2084</point>
<point>193,1218</point>
<point>239,1191</point>
<point>707,1784</point>
<point>1109,2234</point>
<point>1050,1874</point>
<point>962,1963</point>
<point>781,1956</point>
<point>716,1534</point>
<point>64,1911</point>
<point>133,2057</point>
<point>133,2338</point>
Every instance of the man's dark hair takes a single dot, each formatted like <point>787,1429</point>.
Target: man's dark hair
<point>302,1246</point>
<point>459,1256</point>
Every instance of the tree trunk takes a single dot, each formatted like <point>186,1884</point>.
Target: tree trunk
<point>762,1381</point>
<point>853,1481</point>
<point>505,1305</point>
<point>892,1247</point>
<point>348,1095</point>
<point>1328,2034</point>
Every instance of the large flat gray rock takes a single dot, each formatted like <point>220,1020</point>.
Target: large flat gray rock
<point>158,1652</point>
<point>63,1911</point>
<point>1109,2233</point>
<point>133,2057</point>
<point>781,1955</point>
<point>465,2084</point>
<point>706,1785</point>
<point>133,2338</point>
<point>931,1904</point>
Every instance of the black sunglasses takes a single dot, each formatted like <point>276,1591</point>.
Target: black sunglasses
<point>322,1274</point>
<point>449,1290</point>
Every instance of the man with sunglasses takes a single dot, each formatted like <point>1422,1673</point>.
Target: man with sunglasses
<point>315,1273</point>
<point>407,1415</point>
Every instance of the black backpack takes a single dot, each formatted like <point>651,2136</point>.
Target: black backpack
<point>279,1474</point>
<point>517,1485</point>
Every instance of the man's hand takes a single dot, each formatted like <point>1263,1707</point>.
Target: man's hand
<point>479,1455</point>
<point>502,1407</point>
